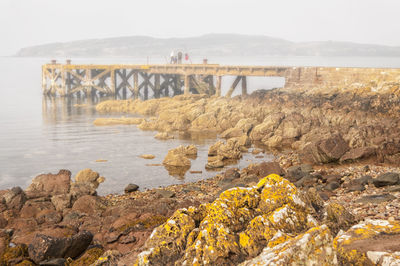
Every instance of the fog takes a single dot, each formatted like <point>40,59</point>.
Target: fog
<point>32,22</point>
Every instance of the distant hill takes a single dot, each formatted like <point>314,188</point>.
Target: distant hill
<point>206,45</point>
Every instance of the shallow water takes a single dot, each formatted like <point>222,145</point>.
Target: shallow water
<point>40,136</point>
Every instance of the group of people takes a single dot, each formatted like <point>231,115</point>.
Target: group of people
<point>177,59</point>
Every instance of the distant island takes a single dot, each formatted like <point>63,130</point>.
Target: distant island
<point>205,45</point>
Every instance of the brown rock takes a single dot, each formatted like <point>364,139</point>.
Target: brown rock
<point>61,202</point>
<point>48,185</point>
<point>326,150</point>
<point>357,154</point>
<point>89,205</point>
<point>46,247</point>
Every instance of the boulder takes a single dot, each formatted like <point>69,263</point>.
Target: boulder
<point>47,185</point>
<point>178,157</point>
<point>357,154</point>
<point>88,176</point>
<point>386,179</point>
<point>45,247</point>
<point>238,224</point>
<point>163,136</point>
<point>118,121</point>
<point>326,150</point>
<point>147,156</point>
<point>314,246</point>
<point>89,204</point>
<point>131,188</point>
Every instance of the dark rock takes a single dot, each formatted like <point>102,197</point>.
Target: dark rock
<point>355,187</point>
<point>326,150</point>
<point>231,173</point>
<point>265,168</point>
<point>386,179</point>
<point>332,186</point>
<point>376,198</point>
<point>357,154</point>
<point>45,247</point>
<point>248,179</point>
<point>306,181</point>
<point>131,188</point>
<point>165,193</point>
<point>324,195</point>
<point>53,262</point>
<point>48,185</point>
<point>395,188</point>
<point>295,173</point>
<point>333,178</point>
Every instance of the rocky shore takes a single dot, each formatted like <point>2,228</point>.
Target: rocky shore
<point>331,197</point>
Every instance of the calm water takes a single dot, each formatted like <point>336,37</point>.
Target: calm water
<point>38,136</point>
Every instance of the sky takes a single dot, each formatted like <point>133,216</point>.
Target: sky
<point>32,22</point>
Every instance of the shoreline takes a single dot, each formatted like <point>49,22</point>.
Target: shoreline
<point>354,167</point>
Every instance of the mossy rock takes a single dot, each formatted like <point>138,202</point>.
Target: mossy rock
<point>89,257</point>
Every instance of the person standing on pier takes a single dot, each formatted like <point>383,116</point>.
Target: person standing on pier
<point>179,57</point>
<point>172,57</point>
<point>186,58</point>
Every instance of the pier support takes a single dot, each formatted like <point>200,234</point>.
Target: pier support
<point>218,87</point>
<point>187,85</point>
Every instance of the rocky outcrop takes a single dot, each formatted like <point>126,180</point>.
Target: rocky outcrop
<point>239,225</point>
<point>221,152</point>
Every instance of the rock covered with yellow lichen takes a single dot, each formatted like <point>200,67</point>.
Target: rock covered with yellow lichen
<point>372,242</point>
<point>313,247</point>
<point>237,226</point>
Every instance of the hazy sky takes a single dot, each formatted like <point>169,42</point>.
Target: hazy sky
<point>31,22</point>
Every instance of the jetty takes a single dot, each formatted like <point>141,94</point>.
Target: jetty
<point>162,80</point>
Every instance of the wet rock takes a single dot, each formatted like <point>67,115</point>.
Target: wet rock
<point>178,157</point>
<point>118,121</point>
<point>131,188</point>
<point>214,162</point>
<point>87,176</point>
<point>48,185</point>
<point>46,247</point>
<point>147,156</point>
<point>386,179</point>
<point>354,246</point>
<point>231,174</point>
<point>163,136</point>
<point>314,246</point>
<point>379,198</point>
